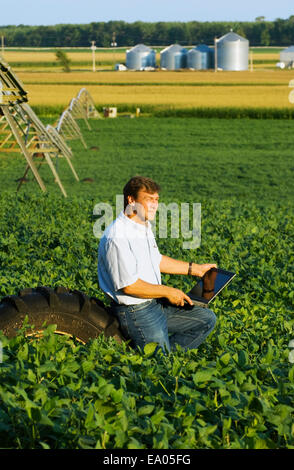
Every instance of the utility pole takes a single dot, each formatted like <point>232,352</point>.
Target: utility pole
<point>113,44</point>
<point>93,47</point>
<point>2,45</point>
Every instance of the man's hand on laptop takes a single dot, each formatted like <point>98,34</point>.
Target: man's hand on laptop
<point>209,280</point>
<point>177,297</point>
<point>200,269</point>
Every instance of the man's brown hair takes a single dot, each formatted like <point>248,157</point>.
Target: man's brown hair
<point>137,183</point>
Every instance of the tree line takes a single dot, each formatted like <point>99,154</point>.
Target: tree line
<point>279,32</point>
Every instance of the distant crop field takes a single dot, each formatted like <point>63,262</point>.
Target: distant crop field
<point>183,88</point>
<point>160,77</point>
<point>38,59</point>
<point>265,86</point>
<point>30,58</point>
<point>165,95</point>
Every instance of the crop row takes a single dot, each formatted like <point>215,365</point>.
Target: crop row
<point>172,96</point>
<point>281,77</point>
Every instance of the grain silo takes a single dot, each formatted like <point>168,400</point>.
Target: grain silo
<point>173,57</point>
<point>200,58</point>
<point>139,57</point>
<point>287,56</point>
<point>232,52</point>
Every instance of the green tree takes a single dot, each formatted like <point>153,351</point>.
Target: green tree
<point>265,37</point>
<point>63,60</point>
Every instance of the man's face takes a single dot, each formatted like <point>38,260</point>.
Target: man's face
<point>146,205</point>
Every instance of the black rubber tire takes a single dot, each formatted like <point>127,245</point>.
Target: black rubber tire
<point>73,312</point>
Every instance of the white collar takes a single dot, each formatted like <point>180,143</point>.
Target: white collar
<point>135,225</point>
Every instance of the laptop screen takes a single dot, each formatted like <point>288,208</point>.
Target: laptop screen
<point>211,284</point>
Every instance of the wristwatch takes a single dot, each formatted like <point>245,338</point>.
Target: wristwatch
<point>206,291</point>
<point>190,269</point>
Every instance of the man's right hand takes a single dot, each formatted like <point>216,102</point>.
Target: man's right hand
<point>200,269</point>
<point>177,297</point>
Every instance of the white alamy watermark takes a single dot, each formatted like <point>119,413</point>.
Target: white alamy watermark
<point>291,352</point>
<point>291,94</point>
<point>171,220</point>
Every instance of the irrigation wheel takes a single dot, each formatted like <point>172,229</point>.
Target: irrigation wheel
<point>73,312</point>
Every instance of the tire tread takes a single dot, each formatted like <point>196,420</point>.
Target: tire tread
<point>82,316</point>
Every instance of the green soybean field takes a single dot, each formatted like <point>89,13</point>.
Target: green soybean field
<point>236,391</point>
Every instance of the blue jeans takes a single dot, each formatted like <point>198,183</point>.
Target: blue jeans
<point>163,323</point>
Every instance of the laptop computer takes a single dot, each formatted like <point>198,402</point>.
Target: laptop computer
<point>209,286</point>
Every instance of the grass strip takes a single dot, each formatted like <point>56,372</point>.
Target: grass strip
<point>200,112</point>
<point>227,113</point>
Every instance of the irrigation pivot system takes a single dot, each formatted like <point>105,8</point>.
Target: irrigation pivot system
<point>68,128</point>
<point>22,131</point>
<point>81,107</point>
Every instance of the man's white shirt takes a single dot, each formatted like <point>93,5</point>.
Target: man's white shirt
<point>127,252</point>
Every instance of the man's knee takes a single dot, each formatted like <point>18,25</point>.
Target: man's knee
<point>211,317</point>
<point>206,316</point>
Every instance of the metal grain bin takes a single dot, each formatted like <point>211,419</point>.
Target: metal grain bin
<point>200,58</point>
<point>232,52</point>
<point>173,57</point>
<point>139,57</point>
<point>287,55</point>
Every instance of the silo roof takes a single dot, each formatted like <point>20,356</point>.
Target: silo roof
<point>200,48</point>
<point>174,48</point>
<point>140,48</point>
<point>232,37</point>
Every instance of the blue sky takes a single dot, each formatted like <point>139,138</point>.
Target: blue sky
<point>46,12</point>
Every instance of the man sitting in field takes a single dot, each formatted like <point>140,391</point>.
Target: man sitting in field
<point>129,271</point>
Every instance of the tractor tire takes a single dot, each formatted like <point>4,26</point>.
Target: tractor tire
<point>73,312</point>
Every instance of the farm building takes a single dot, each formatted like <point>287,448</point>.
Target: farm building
<point>173,57</point>
<point>232,52</point>
<point>139,57</point>
<point>200,58</point>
